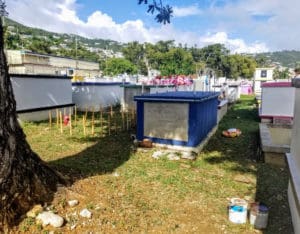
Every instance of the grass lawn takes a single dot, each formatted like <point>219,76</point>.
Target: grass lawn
<point>130,191</point>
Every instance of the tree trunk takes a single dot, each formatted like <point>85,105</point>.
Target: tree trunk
<point>24,178</point>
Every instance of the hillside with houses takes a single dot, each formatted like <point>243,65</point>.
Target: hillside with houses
<point>22,37</point>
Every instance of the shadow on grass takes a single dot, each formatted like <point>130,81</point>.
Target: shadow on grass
<point>243,156</point>
<point>107,154</point>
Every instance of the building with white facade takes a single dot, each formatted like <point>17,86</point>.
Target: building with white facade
<point>25,62</point>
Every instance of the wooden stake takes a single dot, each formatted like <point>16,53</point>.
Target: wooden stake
<point>132,118</point>
<point>123,123</point>
<point>108,122</point>
<point>127,121</point>
<point>116,126</point>
<point>61,122</point>
<point>50,119</point>
<point>75,115</point>
<point>101,121</point>
<point>83,125</point>
<point>57,118</point>
<point>111,111</point>
<point>64,111</point>
<point>86,112</point>
<point>93,121</point>
<point>70,123</point>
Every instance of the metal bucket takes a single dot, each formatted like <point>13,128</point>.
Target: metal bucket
<point>259,214</point>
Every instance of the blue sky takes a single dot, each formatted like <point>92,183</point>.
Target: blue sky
<point>242,25</point>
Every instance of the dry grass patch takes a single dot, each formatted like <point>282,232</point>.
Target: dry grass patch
<point>132,192</point>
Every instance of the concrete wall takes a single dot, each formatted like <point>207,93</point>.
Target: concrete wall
<point>31,63</point>
<point>34,94</point>
<point>233,93</point>
<point>293,160</point>
<point>35,59</point>
<point>166,120</point>
<point>278,101</point>
<point>37,69</point>
<point>95,94</point>
<point>67,62</point>
<point>163,89</point>
<point>293,203</point>
<point>222,110</point>
<point>129,92</point>
<point>13,57</point>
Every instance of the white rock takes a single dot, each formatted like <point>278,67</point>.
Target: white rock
<point>157,154</point>
<point>173,157</point>
<point>47,218</point>
<point>189,155</point>
<point>116,174</point>
<point>85,213</point>
<point>73,203</point>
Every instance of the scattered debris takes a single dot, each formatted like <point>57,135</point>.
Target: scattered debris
<point>189,155</point>
<point>157,154</point>
<point>279,197</point>
<point>73,203</point>
<point>85,213</point>
<point>135,142</point>
<point>173,156</point>
<point>48,217</point>
<point>238,209</point>
<point>146,143</point>
<point>232,132</point>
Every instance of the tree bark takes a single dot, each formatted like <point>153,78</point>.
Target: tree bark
<point>24,178</point>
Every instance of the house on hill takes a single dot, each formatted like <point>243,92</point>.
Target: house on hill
<point>26,62</point>
<point>261,76</point>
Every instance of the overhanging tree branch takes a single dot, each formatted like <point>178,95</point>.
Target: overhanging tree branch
<point>164,13</point>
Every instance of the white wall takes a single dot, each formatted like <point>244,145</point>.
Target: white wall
<point>293,160</point>
<point>94,95</point>
<point>269,73</point>
<point>278,101</point>
<point>32,92</point>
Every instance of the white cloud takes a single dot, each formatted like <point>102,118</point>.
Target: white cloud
<point>99,19</point>
<point>234,45</point>
<point>279,31</point>
<point>61,16</point>
<point>186,11</point>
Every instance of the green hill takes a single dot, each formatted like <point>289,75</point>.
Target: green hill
<point>18,36</point>
<point>287,58</point>
<point>37,40</point>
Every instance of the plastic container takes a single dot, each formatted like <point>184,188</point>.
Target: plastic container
<point>259,214</point>
<point>238,211</point>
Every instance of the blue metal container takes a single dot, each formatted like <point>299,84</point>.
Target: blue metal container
<point>176,118</point>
